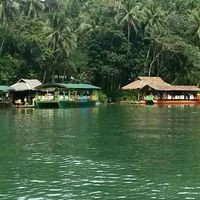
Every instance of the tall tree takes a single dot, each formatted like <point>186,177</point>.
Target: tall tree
<point>195,17</point>
<point>8,10</point>
<point>130,15</point>
<point>32,8</point>
<point>60,38</point>
<point>154,16</point>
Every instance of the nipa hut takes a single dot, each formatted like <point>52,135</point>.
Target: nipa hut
<point>24,91</point>
<point>158,91</point>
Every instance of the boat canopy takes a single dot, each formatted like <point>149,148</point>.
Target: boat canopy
<point>68,86</point>
<point>4,88</point>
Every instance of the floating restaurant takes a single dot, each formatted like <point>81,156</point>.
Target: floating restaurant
<point>5,98</point>
<point>60,95</point>
<point>24,92</point>
<point>153,90</point>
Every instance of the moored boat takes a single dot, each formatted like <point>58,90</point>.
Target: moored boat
<point>46,104</point>
<point>76,104</point>
<point>153,90</point>
<point>5,97</point>
<point>67,95</point>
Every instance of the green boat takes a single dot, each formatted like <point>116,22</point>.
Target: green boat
<point>76,104</point>
<point>67,95</point>
<point>5,96</point>
<point>149,99</point>
<point>47,104</point>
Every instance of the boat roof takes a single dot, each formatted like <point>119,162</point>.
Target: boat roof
<point>68,86</point>
<point>4,88</point>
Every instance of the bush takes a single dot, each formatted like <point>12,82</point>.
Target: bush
<point>102,97</point>
<point>125,95</point>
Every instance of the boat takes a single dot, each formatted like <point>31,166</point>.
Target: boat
<point>59,95</point>
<point>23,106</point>
<point>149,100</point>
<point>46,104</point>
<point>5,96</point>
<point>76,104</point>
<point>153,90</point>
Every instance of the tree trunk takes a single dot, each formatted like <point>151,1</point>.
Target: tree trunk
<point>129,33</point>
<point>64,74</point>
<point>44,76</point>
<point>3,41</point>
<point>53,76</point>
<point>146,63</point>
<point>29,10</point>
<point>154,59</point>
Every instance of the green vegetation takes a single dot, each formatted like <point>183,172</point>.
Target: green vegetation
<point>104,42</point>
<point>125,95</point>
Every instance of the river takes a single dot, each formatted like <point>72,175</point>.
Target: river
<point>106,152</point>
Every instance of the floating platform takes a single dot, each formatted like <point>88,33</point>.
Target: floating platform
<point>23,106</point>
<point>171,102</point>
<point>47,104</point>
<point>76,104</point>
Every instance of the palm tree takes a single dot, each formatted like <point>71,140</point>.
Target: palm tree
<point>131,16</point>
<point>8,10</point>
<point>183,6</point>
<point>54,5</point>
<point>195,17</point>
<point>32,8</point>
<point>60,5</point>
<point>88,19</point>
<point>153,16</point>
<point>60,38</point>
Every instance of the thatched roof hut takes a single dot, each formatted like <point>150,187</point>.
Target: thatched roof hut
<point>157,84</point>
<point>26,84</point>
<point>142,81</point>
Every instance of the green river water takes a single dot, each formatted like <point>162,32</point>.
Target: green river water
<point>106,152</point>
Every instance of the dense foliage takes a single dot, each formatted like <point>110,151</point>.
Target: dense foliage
<point>104,42</point>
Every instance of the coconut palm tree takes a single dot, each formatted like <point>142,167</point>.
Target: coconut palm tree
<point>130,15</point>
<point>195,18</point>
<point>153,16</point>
<point>54,5</point>
<point>60,38</point>
<point>88,19</point>
<point>32,8</point>
<point>8,10</point>
<point>60,5</point>
<point>184,6</point>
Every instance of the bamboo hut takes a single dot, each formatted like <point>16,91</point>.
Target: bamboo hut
<point>155,90</point>
<point>24,91</point>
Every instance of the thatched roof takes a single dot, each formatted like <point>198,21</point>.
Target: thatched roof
<point>143,81</point>
<point>158,84</point>
<point>174,88</point>
<point>26,84</point>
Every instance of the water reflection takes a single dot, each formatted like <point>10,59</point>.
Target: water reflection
<point>106,152</point>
